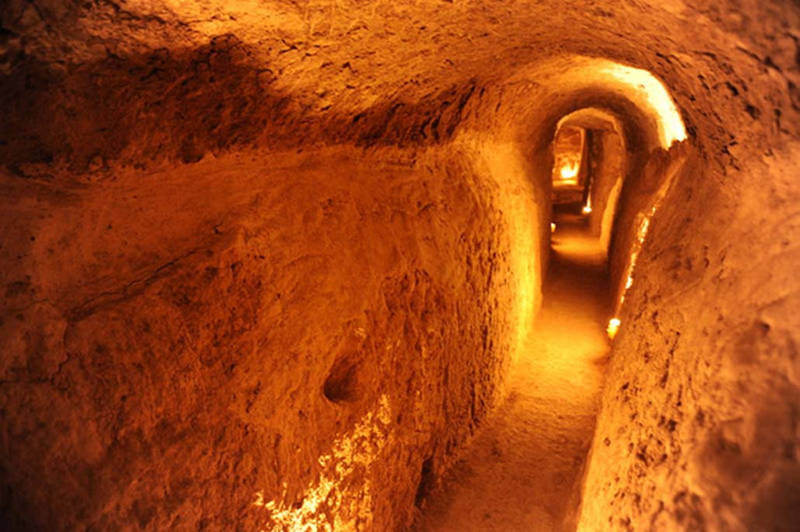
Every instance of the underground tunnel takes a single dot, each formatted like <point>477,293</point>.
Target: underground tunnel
<point>425,265</point>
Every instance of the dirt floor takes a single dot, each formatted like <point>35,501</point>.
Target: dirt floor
<point>522,470</point>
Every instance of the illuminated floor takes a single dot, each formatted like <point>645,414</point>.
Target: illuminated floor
<point>522,470</point>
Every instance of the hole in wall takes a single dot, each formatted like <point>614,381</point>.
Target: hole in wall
<point>342,384</point>
<point>426,481</point>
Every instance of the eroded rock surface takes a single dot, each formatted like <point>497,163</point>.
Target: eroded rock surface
<point>265,263</point>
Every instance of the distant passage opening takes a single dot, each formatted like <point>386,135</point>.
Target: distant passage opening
<point>569,168</point>
<point>611,171</point>
<point>589,164</point>
<point>524,470</point>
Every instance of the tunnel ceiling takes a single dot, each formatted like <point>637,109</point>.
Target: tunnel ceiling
<point>355,52</point>
<point>592,118</point>
<point>246,70</point>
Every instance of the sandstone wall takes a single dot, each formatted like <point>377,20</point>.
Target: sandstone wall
<point>698,426</point>
<point>609,154</point>
<point>253,243</point>
<point>315,333</point>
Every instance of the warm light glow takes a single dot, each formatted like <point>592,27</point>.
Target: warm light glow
<point>647,86</point>
<point>339,499</point>
<point>643,226</point>
<point>613,327</point>
<point>569,171</point>
<point>587,209</point>
<point>568,147</point>
<point>641,234</point>
<point>552,227</point>
<point>506,165</point>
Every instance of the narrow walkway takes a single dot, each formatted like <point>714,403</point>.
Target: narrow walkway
<point>522,471</point>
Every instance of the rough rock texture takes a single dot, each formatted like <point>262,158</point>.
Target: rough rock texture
<point>293,311</point>
<point>609,157</point>
<point>698,428</point>
<point>523,469</point>
<point>255,243</point>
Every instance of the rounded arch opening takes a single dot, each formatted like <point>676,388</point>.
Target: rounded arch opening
<point>623,101</point>
<point>603,170</point>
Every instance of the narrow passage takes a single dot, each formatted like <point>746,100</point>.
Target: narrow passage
<point>522,470</point>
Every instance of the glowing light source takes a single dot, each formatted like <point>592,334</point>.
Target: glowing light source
<point>569,171</point>
<point>613,327</point>
<point>587,209</point>
<point>629,282</point>
<point>552,227</point>
<point>641,234</point>
<point>568,146</point>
